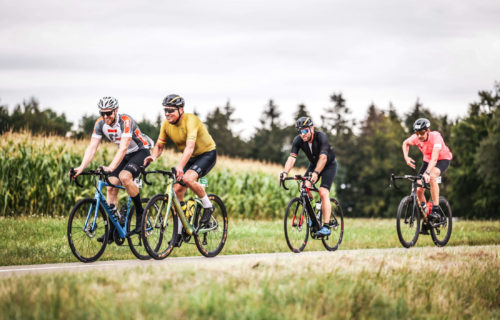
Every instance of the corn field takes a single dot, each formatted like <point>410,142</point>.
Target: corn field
<point>34,178</point>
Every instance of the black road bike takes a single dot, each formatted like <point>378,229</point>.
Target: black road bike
<point>302,219</point>
<point>411,216</point>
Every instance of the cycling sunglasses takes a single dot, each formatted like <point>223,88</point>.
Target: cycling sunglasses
<point>421,132</point>
<point>106,113</point>
<point>303,131</point>
<point>170,110</point>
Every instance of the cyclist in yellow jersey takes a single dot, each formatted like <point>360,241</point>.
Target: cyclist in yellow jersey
<point>198,151</point>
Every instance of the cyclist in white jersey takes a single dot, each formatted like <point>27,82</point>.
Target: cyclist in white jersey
<point>133,148</point>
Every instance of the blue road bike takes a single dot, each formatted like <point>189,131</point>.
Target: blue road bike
<point>89,223</point>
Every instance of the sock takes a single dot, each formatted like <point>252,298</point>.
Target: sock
<point>179,225</point>
<point>435,208</point>
<point>327,225</point>
<point>206,202</point>
<point>137,203</point>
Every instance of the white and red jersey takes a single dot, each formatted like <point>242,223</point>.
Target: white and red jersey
<point>124,127</point>
<point>435,141</point>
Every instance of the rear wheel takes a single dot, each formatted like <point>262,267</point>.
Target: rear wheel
<point>83,232</point>
<point>296,225</point>
<point>211,243</point>
<point>159,227</point>
<point>441,233</point>
<point>333,241</point>
<point>408,222</point>
<point>135,241</point>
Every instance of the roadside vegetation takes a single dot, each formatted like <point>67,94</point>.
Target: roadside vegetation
<point>421,283</point>
<point>31,240</point>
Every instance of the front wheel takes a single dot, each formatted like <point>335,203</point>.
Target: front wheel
<point>135,241</point>
<point>296,225</point>
<point>211,243</point>
<point>441,230</point>
<point>333,241</point>
<point>408,222</point>
<point>84,229</point>
<point>159,227</point>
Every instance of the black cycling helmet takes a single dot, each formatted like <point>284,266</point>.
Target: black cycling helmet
<point>303,122</point>
<point>421,124</point>
<point>173,100</point>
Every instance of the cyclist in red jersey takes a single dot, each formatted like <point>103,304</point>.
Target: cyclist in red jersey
<point>436,156</point>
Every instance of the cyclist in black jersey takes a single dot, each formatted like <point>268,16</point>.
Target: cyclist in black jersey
<point>322,164</point>
<point>133,148</point>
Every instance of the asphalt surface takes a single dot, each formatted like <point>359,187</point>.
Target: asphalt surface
<point>9,271</point>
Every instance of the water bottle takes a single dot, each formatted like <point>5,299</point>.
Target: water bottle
<point>114,213</point>
<point>191,204</point>
<point>318,205</point>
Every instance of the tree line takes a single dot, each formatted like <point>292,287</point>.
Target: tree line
<point>367,151</point>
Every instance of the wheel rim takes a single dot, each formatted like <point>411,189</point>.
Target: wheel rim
<point>212,242</point>
<point>83,237</point>
<point>296,226</point>
<point>407,223</point>
<point>333,241</point>
<point>158,235</point>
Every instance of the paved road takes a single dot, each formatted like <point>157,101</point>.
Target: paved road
<point>174,261</point>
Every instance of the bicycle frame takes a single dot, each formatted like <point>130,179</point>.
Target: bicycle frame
<point>306,203</point>
<point>173,200</point>
<point>101,201</point>
<point>413,194</point>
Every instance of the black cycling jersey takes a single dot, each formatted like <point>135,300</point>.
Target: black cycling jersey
<point>320,145</point>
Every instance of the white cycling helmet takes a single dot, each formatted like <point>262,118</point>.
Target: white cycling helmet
<point>107,103</point>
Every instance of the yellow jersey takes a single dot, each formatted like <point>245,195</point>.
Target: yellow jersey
<point>189,128</point>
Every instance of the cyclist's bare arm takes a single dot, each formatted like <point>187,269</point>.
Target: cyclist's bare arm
<point>122,150</point>
<point>188,152</point>
<point>319,166</point>
<point>88,156</point>
<point>155,153</point>
<point>406,147</point>
<point>434,159</point>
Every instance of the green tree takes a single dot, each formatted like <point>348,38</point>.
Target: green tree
<point>219,123</point>
<point>267,142</point>
<point>475,187</point>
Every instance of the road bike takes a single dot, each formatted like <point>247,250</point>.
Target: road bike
<point>89,222</point>
<point>302,219</point>
<point>163,212</point>
<point>411,213</point>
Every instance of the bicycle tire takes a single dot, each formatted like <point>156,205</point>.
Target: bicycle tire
<point>135,242</point>
<point>408,222</point>
<point>212,242</point>
<point>85,247</point>
<point>447,218</point>
<point>157,238</point>
<point>296,225</point>
<point>333,241</point>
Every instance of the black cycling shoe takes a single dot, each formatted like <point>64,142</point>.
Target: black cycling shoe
<point>205,219</point>
<point>434,216</point>
<point>177,242</point>
<point>425,229</point>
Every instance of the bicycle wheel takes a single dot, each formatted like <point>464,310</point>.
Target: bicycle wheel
<point>408,222</point>
<point>211,243</point>
<point>296,225</point>
<point>159,227</point>
<point>333,241</point>
<point>135,241</point>
<point>442,232</point>
<point>83,233</point>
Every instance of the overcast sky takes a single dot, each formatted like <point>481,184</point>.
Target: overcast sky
<point>68,54</point>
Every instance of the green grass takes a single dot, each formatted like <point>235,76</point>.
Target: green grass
<point>32,240</point>
<point>421,283</point>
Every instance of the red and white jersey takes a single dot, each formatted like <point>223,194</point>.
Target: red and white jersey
<point>435,141</point>
<point>123,128</point>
